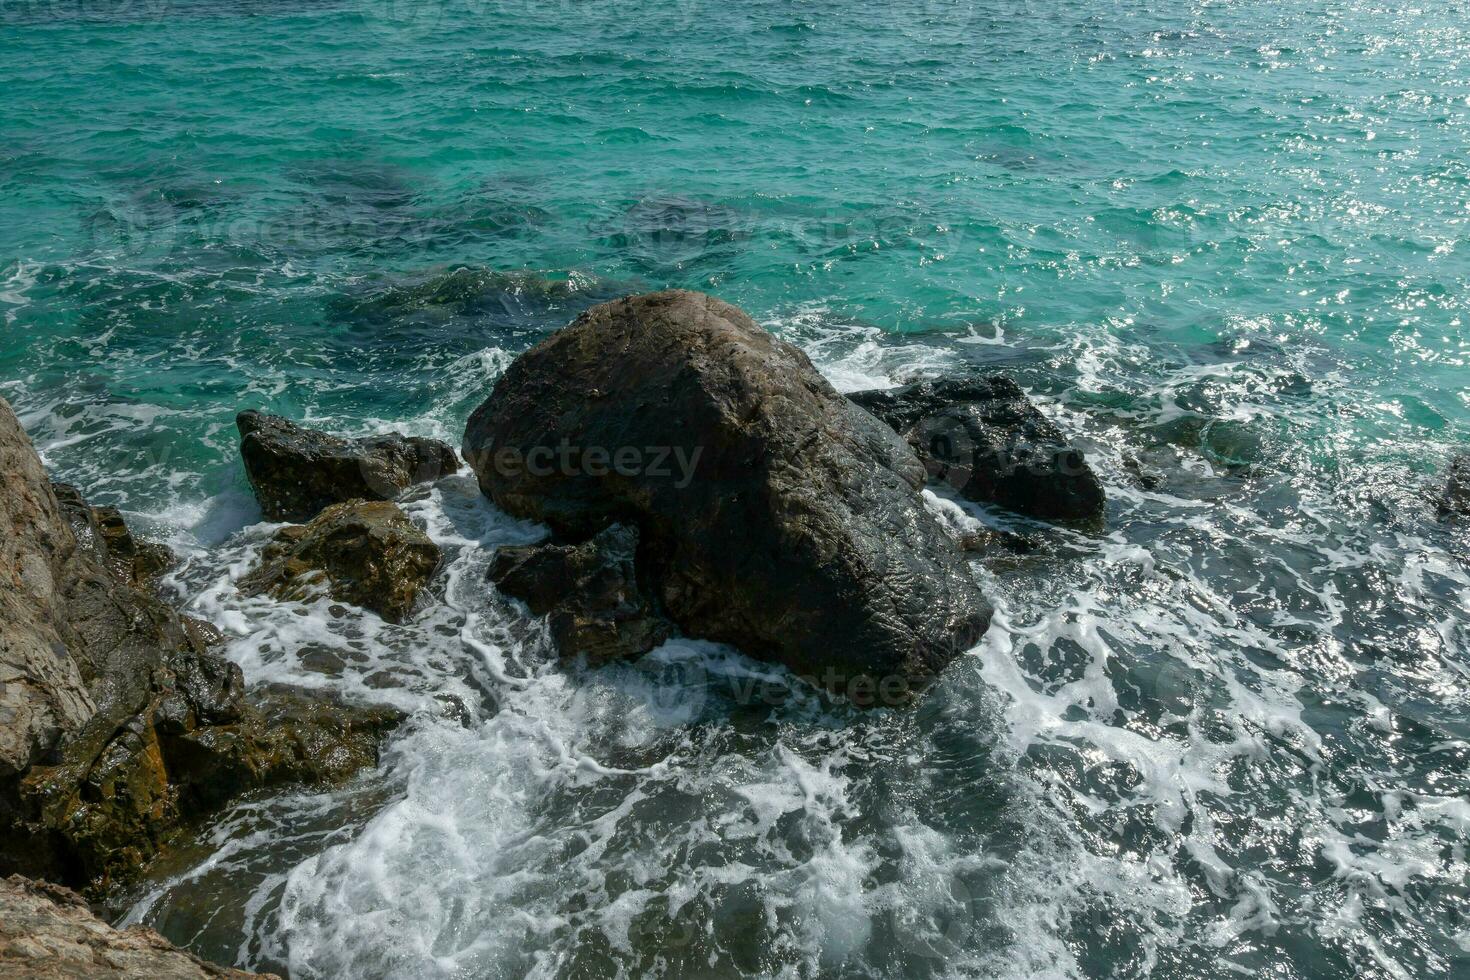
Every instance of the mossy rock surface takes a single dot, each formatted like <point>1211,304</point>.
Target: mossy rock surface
<point>364,552</point>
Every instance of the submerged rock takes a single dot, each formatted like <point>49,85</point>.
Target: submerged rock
<point>117,725</point>
<point>589,592</point>
<point>1455,500</point>
<point>296,472</point>
<point>462,291</point>
<point>47,932</point>
<point>983,436</point>
<point>364,552</point>
<point>773,514</point>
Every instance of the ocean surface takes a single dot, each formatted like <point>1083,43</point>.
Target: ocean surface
<point>1224,245</point>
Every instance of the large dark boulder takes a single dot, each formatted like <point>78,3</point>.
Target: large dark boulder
<point>773,514</point>
<point>296,472</point>
<point>118,724</point>
<point>983,436</point>
<point>364,552</point>
<point>589,592</point>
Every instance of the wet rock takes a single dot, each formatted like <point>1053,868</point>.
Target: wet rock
<point>773,514</point>
<point>199,635</point>
<point>47,931</point>
<point>588,591</point>
<point>1455,500</point>
<point>1231,446</point>
<point>296,472</point>
<point>983,436</point>
<point>1165,468</point>
<point>42,692</point>
<point>322,740</point>
<point>1146,474</point>
<point>366,553</point>
<point>127,783</point>
<point>993,540</point>
<point>288,735</point>
<point>118,726</point>
<point>320,660</point>
<point>103,532</point>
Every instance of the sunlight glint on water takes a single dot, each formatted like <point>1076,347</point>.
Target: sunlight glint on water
<point>1221,243</point>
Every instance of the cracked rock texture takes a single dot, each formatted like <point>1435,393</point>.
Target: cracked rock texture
<point>48,933</point>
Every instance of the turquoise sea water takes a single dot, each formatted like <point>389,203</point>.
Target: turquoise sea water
<point>1223,243</point>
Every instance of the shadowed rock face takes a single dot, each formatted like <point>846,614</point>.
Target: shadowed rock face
<point>367,553</point>
<point>773,513</point>
<point>983,436</point>
<point>589,591</point>
<point>297,472</point>
<point>48,933</point>
<point>117,724</point>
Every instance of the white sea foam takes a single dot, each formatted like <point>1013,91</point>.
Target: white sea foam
<point>858,357</point>
<point>1154,723</point>
<point>19,279</point>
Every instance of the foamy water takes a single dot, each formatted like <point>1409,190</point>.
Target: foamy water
<point>1221,244</point>
<point>1162,756</point>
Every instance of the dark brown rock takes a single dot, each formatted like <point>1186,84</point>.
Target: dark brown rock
<point>367,553</point>
<point>773,514</point>
<point>118,727</point>
<point>128,781</point>
<point>287,735</point>
<point>296,472</point>
<point>588,591</point>
<point>983,436</point>
<point>103,532</point>
<point>49,933</point>
<point>992,541</point>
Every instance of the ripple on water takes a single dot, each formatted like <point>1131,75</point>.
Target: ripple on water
<point>1228,734</point>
